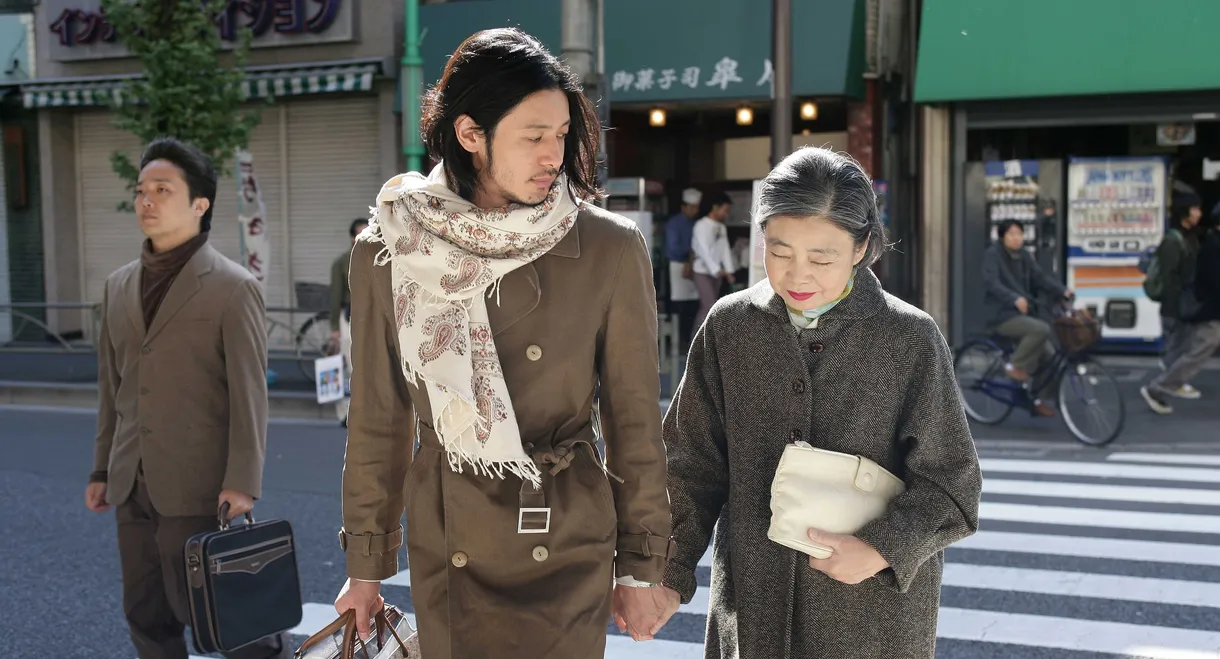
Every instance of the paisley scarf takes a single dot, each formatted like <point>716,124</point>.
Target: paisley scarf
<point>447,256</point>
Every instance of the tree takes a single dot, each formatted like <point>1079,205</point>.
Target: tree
<point>186,92</point>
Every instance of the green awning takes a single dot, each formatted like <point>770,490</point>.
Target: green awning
<point>679,50</point>
<point>1000,49</point>
<point>260,82</point>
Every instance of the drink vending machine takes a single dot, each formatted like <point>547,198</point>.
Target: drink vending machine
<point>1116,211</point>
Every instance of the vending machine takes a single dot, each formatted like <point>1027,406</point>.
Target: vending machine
<point>1116,211</point>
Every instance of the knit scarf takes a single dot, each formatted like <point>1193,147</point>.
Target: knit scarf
<point>447,256</point>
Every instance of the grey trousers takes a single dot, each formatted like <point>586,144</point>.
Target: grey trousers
<point>1204,339</point>
<point>1177,338</point>
<point>709,293</point>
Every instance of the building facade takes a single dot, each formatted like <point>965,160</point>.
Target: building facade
<point>323,146</point>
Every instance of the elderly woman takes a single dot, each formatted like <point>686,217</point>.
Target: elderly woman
<point>818,353</point>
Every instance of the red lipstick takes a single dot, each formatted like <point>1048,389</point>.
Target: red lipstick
<point>800,297</point>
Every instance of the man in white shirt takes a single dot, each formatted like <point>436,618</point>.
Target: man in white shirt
<point>713,256</point>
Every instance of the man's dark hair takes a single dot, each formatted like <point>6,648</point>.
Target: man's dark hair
<point>489,75</point>
<point>354,229</point>
<point>196,169</point>
<point>1004,226</point>
<point>717,198</point>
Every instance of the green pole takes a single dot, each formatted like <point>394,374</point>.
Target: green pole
<point>412,85</point>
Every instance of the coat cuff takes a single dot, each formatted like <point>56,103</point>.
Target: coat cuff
<point>682,580</point>
<point>642,555</point>
<point>881,535</point>
<point>100,476</point>
<point>371,557</point>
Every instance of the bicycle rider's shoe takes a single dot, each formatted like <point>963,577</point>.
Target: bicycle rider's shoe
<point>1015,373</point>
<point>1042,409</point>
<point>1155,400</point>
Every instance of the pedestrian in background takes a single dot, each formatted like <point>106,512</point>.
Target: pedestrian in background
<point>683,294</point>
<point>1176,260</point>
<point>341,313</point>
<point>818,353</point>
<point>712,253</point>
<point>182,397</point>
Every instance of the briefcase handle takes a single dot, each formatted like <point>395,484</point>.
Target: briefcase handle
<point>223,516</point>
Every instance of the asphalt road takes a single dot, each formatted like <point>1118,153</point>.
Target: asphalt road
<point>1082,554</point>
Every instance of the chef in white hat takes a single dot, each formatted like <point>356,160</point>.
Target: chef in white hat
<point>683,295</point>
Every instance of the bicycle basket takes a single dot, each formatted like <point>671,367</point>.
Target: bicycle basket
<point>1077,331</point>
<point>312,296</point>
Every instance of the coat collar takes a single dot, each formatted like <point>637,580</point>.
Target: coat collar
<point>865,300</point>
<point>185,285</point>
<point>569,246</point>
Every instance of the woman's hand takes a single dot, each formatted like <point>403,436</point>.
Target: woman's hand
<point>853,559</point>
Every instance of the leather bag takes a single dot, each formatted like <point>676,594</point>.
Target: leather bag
<point>826,490</point>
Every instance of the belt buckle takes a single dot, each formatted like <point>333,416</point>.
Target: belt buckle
<point>534,524</point>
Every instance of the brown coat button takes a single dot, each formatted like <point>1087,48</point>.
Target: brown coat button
<point>533,353</point>
<point>460,559</point>
<point>816,347</point>
<point>798,386</point>
<point>796,435</point>
<point>540,553</point>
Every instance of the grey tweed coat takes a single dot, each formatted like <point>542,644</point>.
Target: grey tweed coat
<point>874,378</point>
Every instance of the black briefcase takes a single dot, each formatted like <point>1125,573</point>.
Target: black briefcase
<point>243,583</point>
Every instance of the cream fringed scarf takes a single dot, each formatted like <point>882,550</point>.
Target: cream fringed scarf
<point>447,257</point>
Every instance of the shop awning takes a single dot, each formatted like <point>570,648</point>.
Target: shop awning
<point>260,82</point>
<point>680,50</point>
<point>1004,49</point>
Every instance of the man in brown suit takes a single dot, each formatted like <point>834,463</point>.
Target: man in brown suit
<point>182,389</point>
<point>494,309</point>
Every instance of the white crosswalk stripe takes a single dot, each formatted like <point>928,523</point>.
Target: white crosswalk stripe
<point>1075,546</point>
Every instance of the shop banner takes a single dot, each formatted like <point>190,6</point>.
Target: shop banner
<point>252,215</point>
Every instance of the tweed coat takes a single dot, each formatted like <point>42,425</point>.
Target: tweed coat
<point>873,378</point>
<point>575,326</point>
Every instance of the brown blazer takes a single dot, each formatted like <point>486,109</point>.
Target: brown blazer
<point>583,314</point>
<point>188,398</point>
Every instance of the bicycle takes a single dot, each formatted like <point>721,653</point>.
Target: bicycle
<point>979,369</point>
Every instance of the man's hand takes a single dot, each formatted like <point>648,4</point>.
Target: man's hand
<point>1023,305</point>
<point>1069,294</point>
<point>239,504</point>
<point>853,559</point>
<point>643,611</point>
<point>363,596</point>
<point>95,498</point>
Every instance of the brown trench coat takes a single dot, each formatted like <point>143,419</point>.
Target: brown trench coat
<point>582,315</point>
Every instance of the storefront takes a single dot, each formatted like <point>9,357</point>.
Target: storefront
<point>323,146</point>
<point>1078,124</point>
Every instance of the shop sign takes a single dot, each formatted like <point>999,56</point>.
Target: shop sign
<point>80,30</point>
<point>722,77</point>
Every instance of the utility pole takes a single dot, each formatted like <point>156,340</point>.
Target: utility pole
<point>781,100</point>
<point>412,87</point>
<point>583,44</point>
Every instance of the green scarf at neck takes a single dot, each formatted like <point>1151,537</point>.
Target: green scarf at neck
<point>808,317</point>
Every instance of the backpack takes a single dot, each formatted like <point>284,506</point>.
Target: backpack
<point>1150,265</point>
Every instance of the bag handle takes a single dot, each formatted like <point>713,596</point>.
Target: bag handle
<point>346,622</point>
<point>383,623</point>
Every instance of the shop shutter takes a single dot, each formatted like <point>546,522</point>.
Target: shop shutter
<point>109,238</point>
<point>334,176</point>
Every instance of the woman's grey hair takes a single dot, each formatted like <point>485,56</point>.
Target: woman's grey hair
<point>816,182</point>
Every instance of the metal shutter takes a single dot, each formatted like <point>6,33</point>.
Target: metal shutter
<point>109,238</point>
<point>334,176</point>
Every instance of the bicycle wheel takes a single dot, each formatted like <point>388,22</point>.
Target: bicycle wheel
<point>311,342</point>
<point>1091,403</point>
<point>979,369</point>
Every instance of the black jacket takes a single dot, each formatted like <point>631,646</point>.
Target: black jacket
<point>1207,277</point>
<point>1008,277</point>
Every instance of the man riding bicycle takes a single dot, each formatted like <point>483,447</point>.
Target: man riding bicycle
<point>1013,281</point>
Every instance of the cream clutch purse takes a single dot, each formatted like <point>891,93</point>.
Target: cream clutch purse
<point>835,492</point>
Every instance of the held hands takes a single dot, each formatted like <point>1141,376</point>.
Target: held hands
<point>1023,306</point>
<point>853,560</point>
<point>363,596</point>
<point>239,504</point>
<point>95,498</point>
<point>643,611</point>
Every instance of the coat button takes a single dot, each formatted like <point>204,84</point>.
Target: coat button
<point>540,553</point>
<point>146,350</point>
<point>145,431</point>
<point>460,559</point>
<point>143,391</point>
<point>533,353</point>
<point>798,386</point>
<point>816,347</point>
<point>796,435</point>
